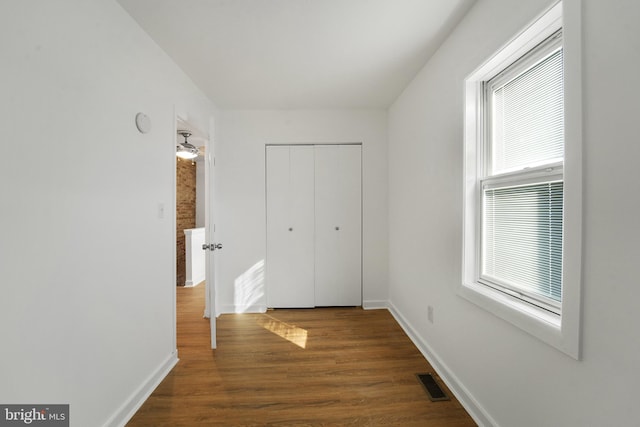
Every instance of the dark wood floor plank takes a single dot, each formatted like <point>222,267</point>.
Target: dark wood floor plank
<point>303,367</point>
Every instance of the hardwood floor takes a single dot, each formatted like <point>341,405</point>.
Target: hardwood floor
<point>303,367</point>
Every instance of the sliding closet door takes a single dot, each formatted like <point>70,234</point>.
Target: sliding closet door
<point>290,226</point>
<point>338,248</point>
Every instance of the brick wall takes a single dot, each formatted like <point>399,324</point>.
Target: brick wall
<point>185,211</point>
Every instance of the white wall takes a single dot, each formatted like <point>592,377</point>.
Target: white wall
<point>195,257</point>
<point>506,376</point>
<point>87,265</point>
<point>240,194</point>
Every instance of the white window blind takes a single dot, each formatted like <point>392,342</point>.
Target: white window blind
<point>523,238</point>
<point>528,116</point>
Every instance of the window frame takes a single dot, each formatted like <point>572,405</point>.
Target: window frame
<point>560,330</point>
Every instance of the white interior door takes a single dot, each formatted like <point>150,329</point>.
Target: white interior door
<point>290,226</point>
<point>210,289</point>
<point>338,229</point>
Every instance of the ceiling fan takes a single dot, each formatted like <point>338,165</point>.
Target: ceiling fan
<point>186,150</point>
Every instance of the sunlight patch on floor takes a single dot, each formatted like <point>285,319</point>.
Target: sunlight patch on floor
<point>291,333</point>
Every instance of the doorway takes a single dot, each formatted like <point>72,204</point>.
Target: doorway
<point>194,264</point>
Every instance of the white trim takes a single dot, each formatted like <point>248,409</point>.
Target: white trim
<point>466,399</point>
<point>572,266</point>
<point>375,304</point>
<point>261,308</point>
<point>237,309</point>
<point>564,335</point>
<point>171,151</point>
<point>129,408</point>
<point>193,284</point>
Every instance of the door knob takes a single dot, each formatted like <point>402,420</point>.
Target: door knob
<point>212,246</point>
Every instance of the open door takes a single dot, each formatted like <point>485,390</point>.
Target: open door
<point>202,141</point>
<point>210,246</point>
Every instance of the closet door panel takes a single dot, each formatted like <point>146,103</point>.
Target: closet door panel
<point>301,244</point>
<point>290,213</point>
<point>278,200</point>
<point>338,225</point>
<point>350,223</point>
<point>327,276</point>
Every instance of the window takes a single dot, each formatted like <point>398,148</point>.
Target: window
<point>522,216</point>
<point>522,180</point>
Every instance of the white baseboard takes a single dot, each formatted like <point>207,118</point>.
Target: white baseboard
<point>259,308</point>
<point>192,283</point>
<point>373,304</point>
<point>480,416</point>
<point>233,308</point>
<point>135,401</point>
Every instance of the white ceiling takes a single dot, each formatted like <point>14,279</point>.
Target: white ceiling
<point>299,53</point>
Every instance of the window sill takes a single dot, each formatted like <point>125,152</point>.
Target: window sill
<point>540,323</point>
<point>496,301</point>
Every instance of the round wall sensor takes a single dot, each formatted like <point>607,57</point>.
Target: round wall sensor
<point>143,122</point>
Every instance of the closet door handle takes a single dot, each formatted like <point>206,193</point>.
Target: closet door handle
<point>337,228</point>
<point>290,228</point>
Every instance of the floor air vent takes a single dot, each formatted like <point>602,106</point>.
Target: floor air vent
<point>432,388</point>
